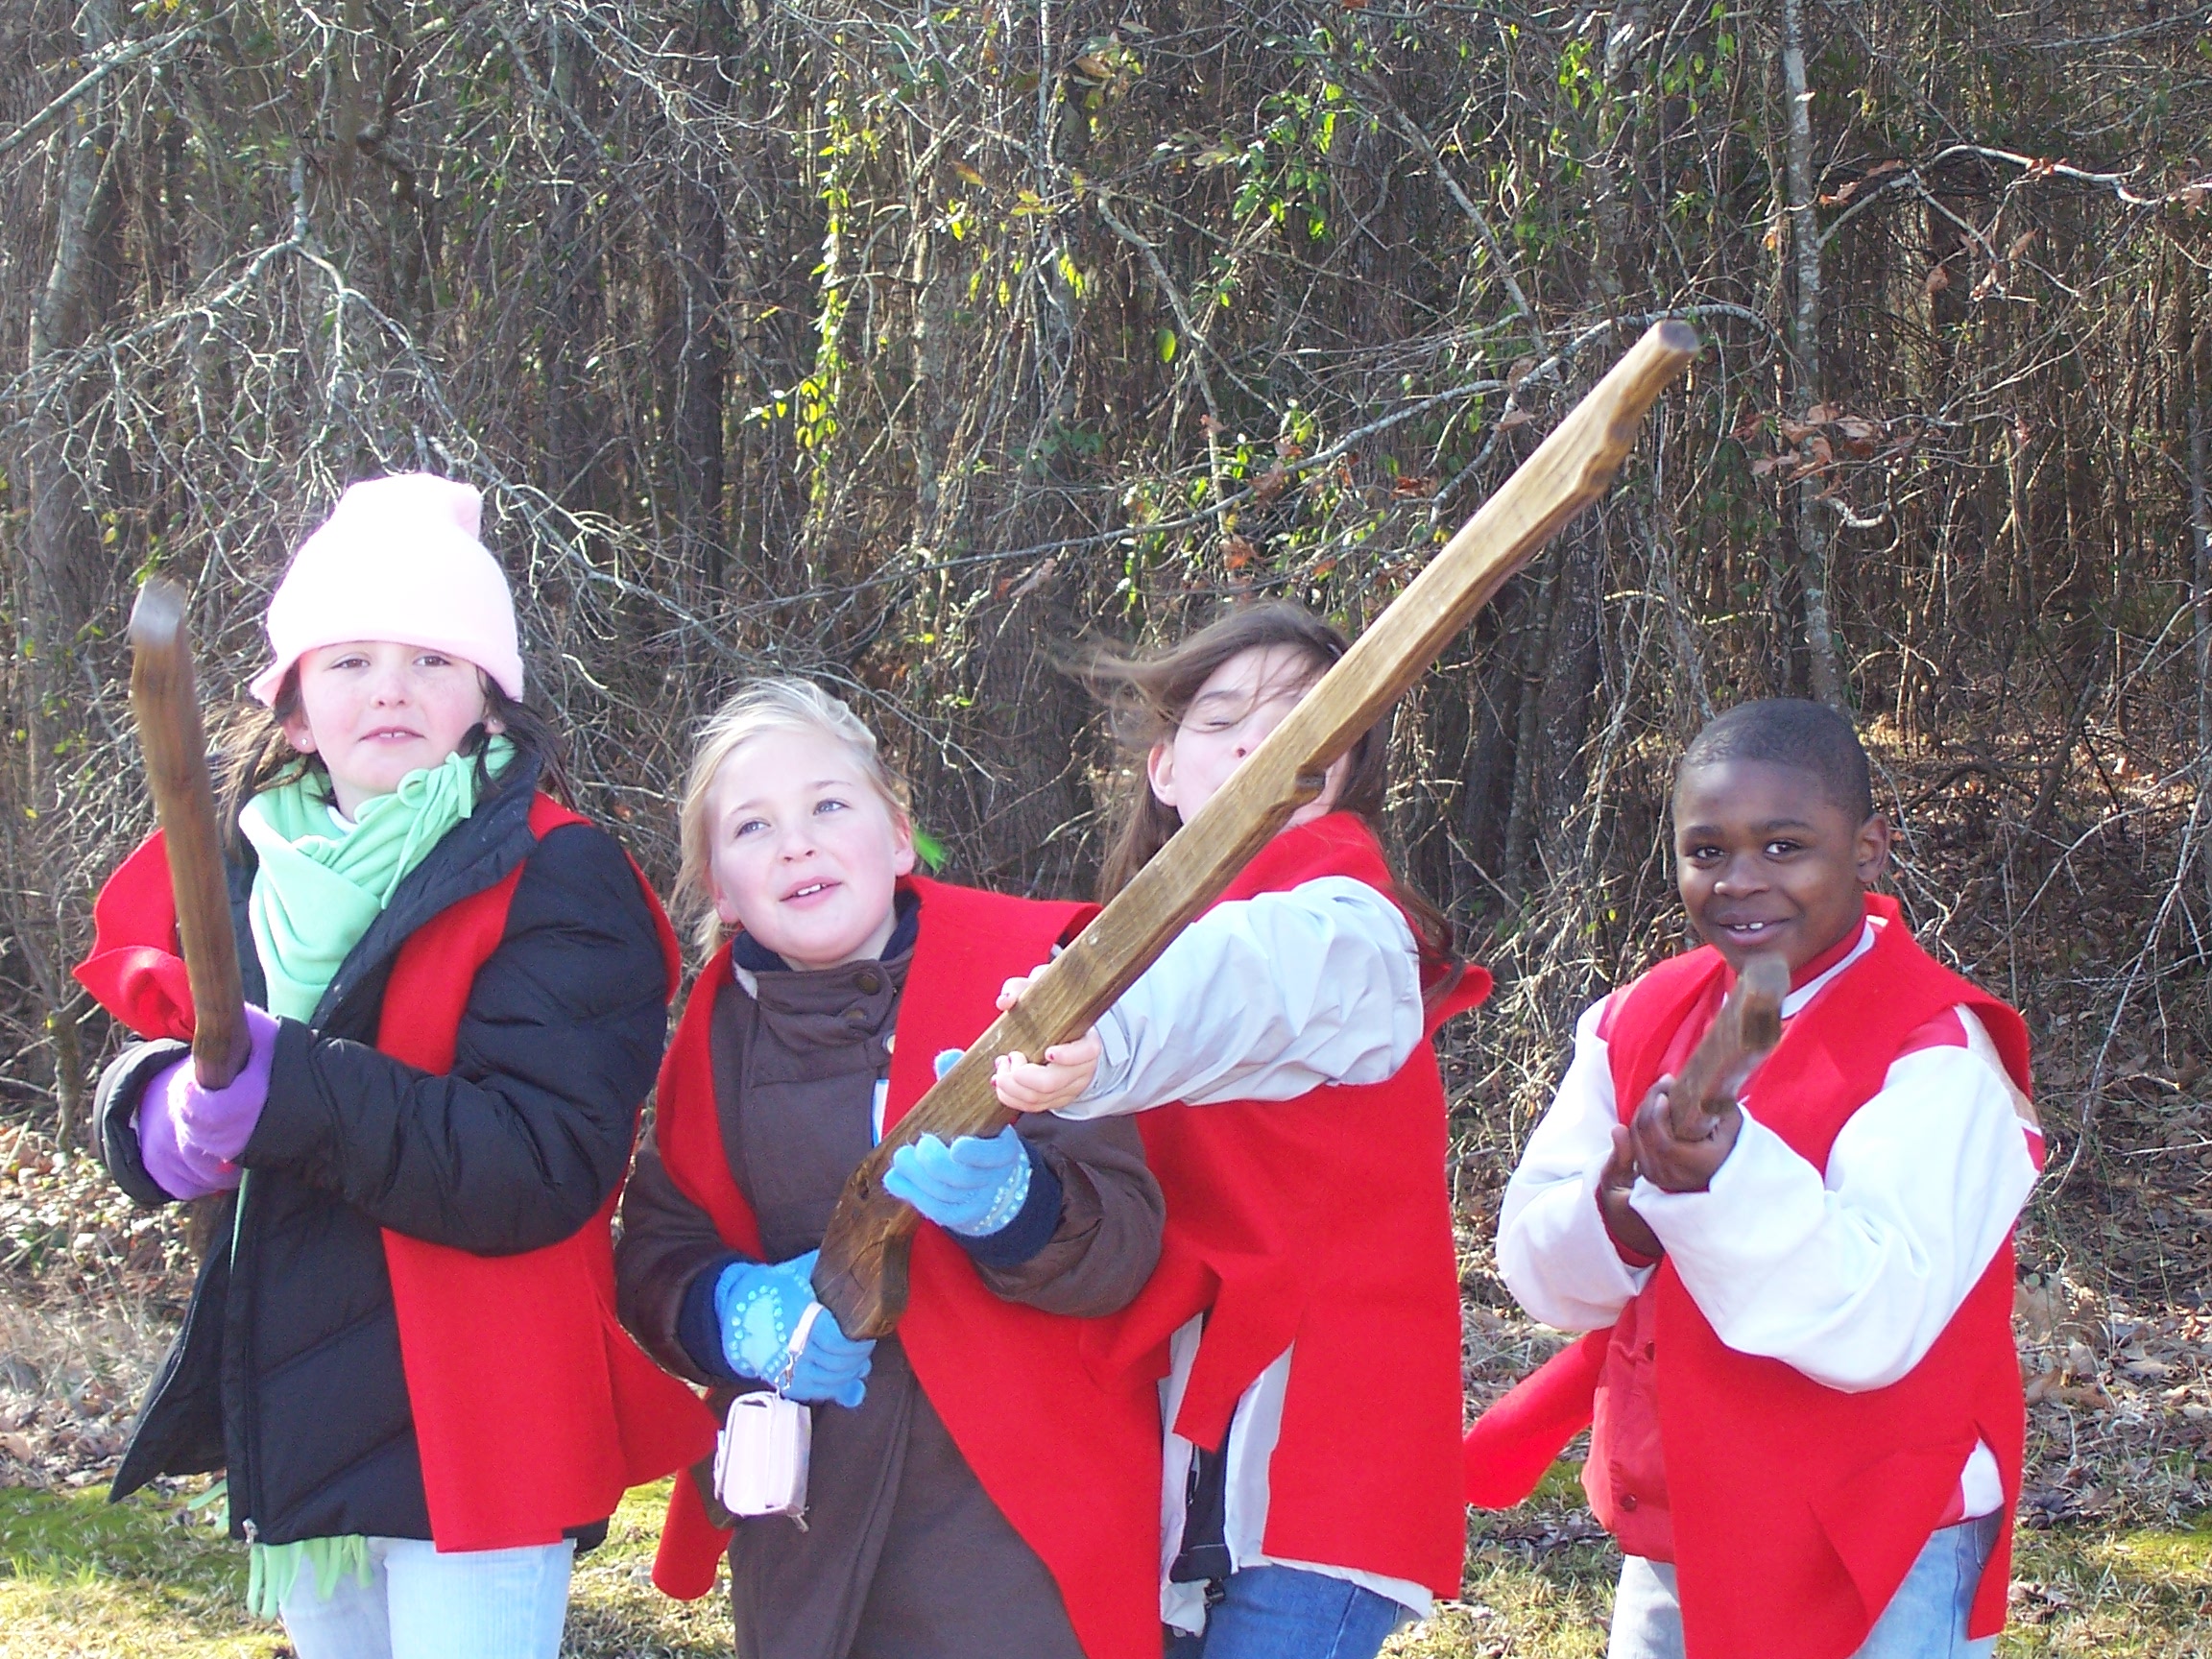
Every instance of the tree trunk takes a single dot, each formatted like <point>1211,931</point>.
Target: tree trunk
<point>67,310</point>
<point>2197,370</point>
<point>1813,523</point>
<point>59,538</point>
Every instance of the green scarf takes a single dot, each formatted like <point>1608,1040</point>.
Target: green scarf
<point>318,887</point>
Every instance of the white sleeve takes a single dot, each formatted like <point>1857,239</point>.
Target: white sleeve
<point>1264,999</point>
<point>1554,1251</point>
<point>1851,1275</point>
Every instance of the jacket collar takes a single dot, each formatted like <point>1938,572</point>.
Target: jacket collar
<point>476,854</point>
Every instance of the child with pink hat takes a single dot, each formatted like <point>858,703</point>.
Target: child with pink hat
<point>400,1350</point>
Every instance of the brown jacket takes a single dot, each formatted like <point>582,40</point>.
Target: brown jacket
<point>903,1552</point>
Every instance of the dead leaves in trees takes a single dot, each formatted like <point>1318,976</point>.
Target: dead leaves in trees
<point>1880,169</point>
<point>1819,436</point>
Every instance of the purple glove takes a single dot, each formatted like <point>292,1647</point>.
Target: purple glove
<point>187,1135</point>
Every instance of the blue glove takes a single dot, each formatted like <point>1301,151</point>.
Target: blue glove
<point>974,1186</point>
<point>761,1306</point>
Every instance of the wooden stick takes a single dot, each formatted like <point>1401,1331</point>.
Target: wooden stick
<point>167,708</point>
<point>861,1274</point>
<point>1742,1034</point>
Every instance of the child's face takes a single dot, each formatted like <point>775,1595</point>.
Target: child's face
<point>1768,863</point>
<point>1241,701</point>
<point>804,854</point>
<point>375,710</point>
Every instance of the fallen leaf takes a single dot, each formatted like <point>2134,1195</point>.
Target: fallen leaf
<point>1291,450</point>
<point>1414,484</point>
<point>1513,417</point>
<point>1271,484</point>
<point>1796,431</point>
<point>1523,368</point>
<point>2020,244</point>
<point>1769,463</point>
<point>1821,414</point>
<point>1237,552</point>
<point>1881,168</point>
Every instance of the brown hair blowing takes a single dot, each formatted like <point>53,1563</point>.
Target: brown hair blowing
<point>1147,697</point>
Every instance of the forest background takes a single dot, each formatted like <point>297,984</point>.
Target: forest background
<point>911,347</point>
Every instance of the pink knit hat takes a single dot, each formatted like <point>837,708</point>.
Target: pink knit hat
<point>398,560</point>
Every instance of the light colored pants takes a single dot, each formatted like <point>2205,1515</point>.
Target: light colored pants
<point>1925,1619</point>
<point>419,1604</point>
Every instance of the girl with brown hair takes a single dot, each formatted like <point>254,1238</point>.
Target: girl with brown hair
<point>1292,1108</point>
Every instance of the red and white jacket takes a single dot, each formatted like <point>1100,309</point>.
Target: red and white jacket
<point>1821,1370</point>
<point>1293,1115</point>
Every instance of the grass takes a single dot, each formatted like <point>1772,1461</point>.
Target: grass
<point>150,1577</point>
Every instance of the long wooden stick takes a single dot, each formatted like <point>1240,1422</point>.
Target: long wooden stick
<point>166,706</point>
<point>1742,1034</point>
<point>861,1273</point>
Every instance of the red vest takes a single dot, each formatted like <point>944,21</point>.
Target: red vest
<point>1323,1222</point>
<point>534,1411</point>
<point>1073,1462</point>
<point>1797,1509</point>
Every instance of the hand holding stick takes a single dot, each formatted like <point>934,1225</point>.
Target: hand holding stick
<point>1742,1034</point>
<point>1688,1123</point>
<point>167,708</point>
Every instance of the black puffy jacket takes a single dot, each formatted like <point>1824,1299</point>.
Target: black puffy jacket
<point>287,1373</point>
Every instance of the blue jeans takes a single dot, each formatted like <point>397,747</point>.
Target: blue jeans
<point>1925,1619</point>
<point>419,1604</point>
<point>1282,1613</point>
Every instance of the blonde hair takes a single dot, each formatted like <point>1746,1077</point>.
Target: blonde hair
<point>759,707</point>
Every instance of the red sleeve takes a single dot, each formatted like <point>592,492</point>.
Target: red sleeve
<point>1515,1440</point>
<point>136,968</point>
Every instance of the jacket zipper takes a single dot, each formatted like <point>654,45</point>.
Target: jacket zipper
<point>245,1482</point>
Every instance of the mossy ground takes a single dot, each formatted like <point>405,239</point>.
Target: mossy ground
<point>151,1578</point>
